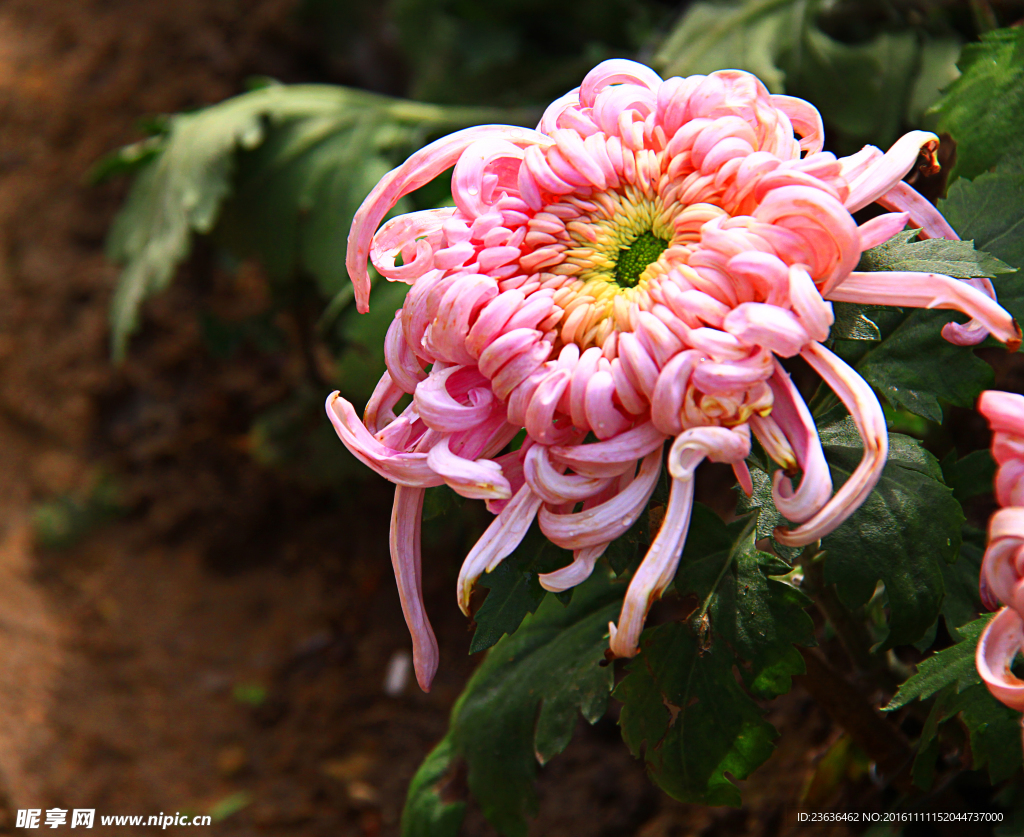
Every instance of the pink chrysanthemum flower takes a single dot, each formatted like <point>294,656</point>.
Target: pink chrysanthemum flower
<point>630,270</point>
<point>1002,569</point>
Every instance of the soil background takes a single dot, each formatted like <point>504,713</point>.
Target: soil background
<point>222,643</point>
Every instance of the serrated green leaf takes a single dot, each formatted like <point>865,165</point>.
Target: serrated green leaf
<point>990,210</point>
<point>932,255</point>
<point>952,666</point>
<point>514,589</point>
<point>995,732</point>
<point>694,723</point>
<point>427,813</point>
<point>682,706</point>
<point>913,366</point>
<point>295,162</point>
<point>553,661</point>
<point>760,618</point>
<point>855,322</point>
<point>901,535</point>
<point>983,110</point>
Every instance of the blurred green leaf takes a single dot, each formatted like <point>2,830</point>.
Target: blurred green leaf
<point>230,805</point>
<point>983,110</point>
<point>279,171</point>
<point>427,813</point>
<point>863,90</point>
<point>521,705</point>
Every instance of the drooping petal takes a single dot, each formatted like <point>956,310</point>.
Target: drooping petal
<point>863,405</point>
<point>575,573</point>
<point>406,560</point>
<point>794,420</point>
<point>929,290</point>
<point>499,541</point>
<point>657,569</point>
<point>884,173</point>
<point>922,213</point>
<point>611,457</point>
<point>477,479</point>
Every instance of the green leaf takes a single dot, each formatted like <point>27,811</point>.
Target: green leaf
<point>983,110</point>
<point>682,706</point>
<point>901,535</point>
<point>932,255</point>
<point>914,367</point>
<point>995,732</point>
<point>748,36</point>
<point>293,163</point>
<point>954,665</point>
<point>970,476</point>
<point>427,813</point>
<point>759,617</point>
<point>990,210</point>
<point>962,603</point>
<point>694,723</point>
<point>553,663</point>
<point>514,589</point>
<point>855,322</point>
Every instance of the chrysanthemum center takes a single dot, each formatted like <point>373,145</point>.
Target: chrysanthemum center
<point>633,260</point>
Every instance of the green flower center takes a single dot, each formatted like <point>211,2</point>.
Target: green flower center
<point>633,260</point>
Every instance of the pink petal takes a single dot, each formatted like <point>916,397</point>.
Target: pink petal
<point>929,290</point>
<point>477,479</point>
<point>774,328</point>
<point>405,558</point>
<point>576,573</point>
<point>656,570</point>
<point>499,541</point>
<point>441,411</point>
<point>905,198</point>
<point>399,467</point>
<point>1004,411</point>
<point>611,457</point>
<point>880,176</point>
<point>863,405</point>
<point>1000,642</point>
<point>418,170</point>
<point>608,520</point>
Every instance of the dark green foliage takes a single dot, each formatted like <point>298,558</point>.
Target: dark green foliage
<point>682,706</point>
<point>902,534</point>
<point>983,110</point>
<point>520,708</point>
<point>427,813</point>
<point>955,665</point>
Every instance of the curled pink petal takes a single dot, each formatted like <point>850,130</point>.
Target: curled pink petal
<point>612,457</point>
<point>883,174</point>
<point>1000,642</point>
<point>607,521</point>
<point>399,467</point>
<point>477,479</point>
<point>863,405</point>
<point>500,539</point>
<point>575,573</point>
<point>553,486</point>
<point>795,422</point>
<point>1004,411</point>
<point>921,213</point>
